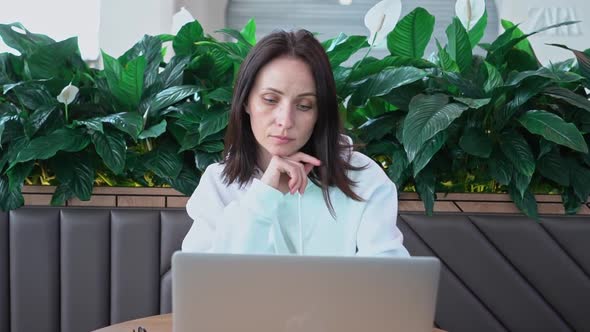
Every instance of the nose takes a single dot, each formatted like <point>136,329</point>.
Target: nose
<point>285,116</point>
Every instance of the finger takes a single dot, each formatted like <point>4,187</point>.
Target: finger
<point>299,170</point>
<point>304,158</point>
<point>308,168</point>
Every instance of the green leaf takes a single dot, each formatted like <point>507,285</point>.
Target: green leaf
<point>22,39</point>
<point>500,169</point>
<point>475,142</point>
<point>375,129</point>
<point>558,77</point>
<point>55,60</point>
<point>523,45</point>
<point>184,42</point>
<point>154,131</point>
<point>131,84</point>
<point>476,33</point>
<point>236,35</point>
<point>473,103</point>
<point>429,149</point>
<point>340,49</point>
<point>61,194</point>
<point>368,68</point>
<point>164,161</point>
<point>212,122</point>
<point>76,172</point>
<point>149,47</point>
<point>568,96</point>
<point>92,124</point>
<point>425,186</point>
<point>553,128</point>
<point>249,32</point>
<point>494,78</point>
<point>446,61</point>
<point>526,203</point>
<point>186,182</point>
<point>211,146</point>
<point>34,96</point>
<point>172,74</point>
<point>222,94</point>
<point>582,58</point>
<point>130,123</point>
<point>571,203</point>
<point>9,199</point>
<point>171,96</point>
<point>38,119</point>
<point>411,34</point>
<point>579,179</point>
<point>521,182</point>
<point>428,115</point>
<point>553,167</point>
<point>45,147</point>
<point>385,81</point>
<point>111,147</point>
<point>459,47</point>
<point>204,159</point>
<point>518,151</point>
<point>18,174</point>
<point>399,165</point>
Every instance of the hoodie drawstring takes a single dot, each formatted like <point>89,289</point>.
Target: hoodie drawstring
<point>300,223</point>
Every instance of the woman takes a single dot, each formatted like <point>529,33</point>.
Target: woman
<point>290,182</point>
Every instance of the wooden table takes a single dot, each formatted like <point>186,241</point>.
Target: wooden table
<point>160,323</point>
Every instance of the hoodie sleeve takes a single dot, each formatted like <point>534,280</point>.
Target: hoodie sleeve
<point>378,234</point>
<point>242,225</point>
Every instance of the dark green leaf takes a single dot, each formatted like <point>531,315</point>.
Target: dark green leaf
<point>55,60</point>
<point>568,96</point>
<point>478,30</point>
<point>558,77</point>
<point>61,194</point>
<point>46,147</point>
<point>184,42</point>
<point>150,48</point>
<point>34,96</point>
<point>22,39</point>
<point>583,60</point>
<point>130,123</point>
<point>429,149</point>
<point>18,174</point>
<point>459,47</point>
<point>524,44</point>
<point>571,202</point>
<point>475,142</point>
<point>186,182</point>
<point>111,147</point>
<point>368,68</point>
<point>171,96</point>
<point>494,78</point>
<point>340,49</point>
<point>154,131</point>
<point>521,182</point>
<point>92,124</point>
<point>473,103</point>
<point>385,81</point>
<point>551,127</point>
<point>425,186</point>
<point>399,165</point>
<point>428,115</point>
<point>204,159</point>
<point>500,168</point>
<point>76,172</point>
<point>518,151</point>
<point>172,74</point>
<point>579,179</point>
<point>221,94</point>
<point>411,34</point>
<point>526,203</point>
<point>211,146</point>
<point>553,167</point>
<point>164,161</point>
<point>375,129</point>
<point>212,122</point>
<point>131,84</point>
<point>9,199</point>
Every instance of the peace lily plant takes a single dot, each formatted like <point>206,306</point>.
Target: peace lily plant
<point>452,121</point>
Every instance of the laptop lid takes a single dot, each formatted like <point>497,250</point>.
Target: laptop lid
<point>272,293</point>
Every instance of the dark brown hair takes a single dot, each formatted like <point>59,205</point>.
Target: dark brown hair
<point>326,142</point>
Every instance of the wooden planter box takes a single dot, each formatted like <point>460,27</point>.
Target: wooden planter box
<point>408,202</point>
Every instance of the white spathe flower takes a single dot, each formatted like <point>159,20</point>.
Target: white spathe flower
<point>68,94</point>
<point>382,18</point>
<point>469,12</point>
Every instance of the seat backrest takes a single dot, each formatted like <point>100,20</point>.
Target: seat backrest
<point>79,269</point>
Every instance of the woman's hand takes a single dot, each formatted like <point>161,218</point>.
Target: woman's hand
<point>295,166</point>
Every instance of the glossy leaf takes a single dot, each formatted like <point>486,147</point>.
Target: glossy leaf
<point>411,34</point>
<point>111,147</point>
<point>184,42</point>
<point>553,128</point>
<point>568,96</point>
<point>475,142</point>
<point>429,149</point>
<point>340,49</point>
<point>518,151</point>
<point>9,199</point>
<point>154,131</point>
<point>385,81</point>
<point>553,167</point>
<point>459,46</point>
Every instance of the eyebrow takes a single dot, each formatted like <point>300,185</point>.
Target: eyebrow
<point>282,93</point>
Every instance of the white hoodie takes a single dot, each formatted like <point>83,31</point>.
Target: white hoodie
<point>260,219</point>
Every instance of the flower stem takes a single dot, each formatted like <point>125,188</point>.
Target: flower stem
<point>67,117</point>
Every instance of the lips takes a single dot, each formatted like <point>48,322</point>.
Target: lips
<point>281,139</point>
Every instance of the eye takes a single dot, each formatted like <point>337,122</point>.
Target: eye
<point>303,107</point>
<point>269,100</point>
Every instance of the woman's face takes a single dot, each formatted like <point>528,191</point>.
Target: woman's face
<point>283,108</point>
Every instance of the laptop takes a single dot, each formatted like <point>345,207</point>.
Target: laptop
<point>274,293</point>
